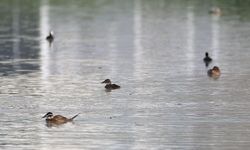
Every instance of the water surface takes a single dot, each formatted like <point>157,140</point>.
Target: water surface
<point>153,49</point>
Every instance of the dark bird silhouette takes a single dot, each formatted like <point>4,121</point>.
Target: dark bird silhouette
<point>207,60</point>
<point>50,37</point>
<point>109,85</point>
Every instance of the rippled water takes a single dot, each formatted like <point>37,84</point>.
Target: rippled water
<point>153,49</point>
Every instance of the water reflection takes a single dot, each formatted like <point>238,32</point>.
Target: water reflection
<point>15,32</point>
<point>215,36</point>
<point>138,54</point>
<point>190,39</point>
<point>20,40</point>
<point>44,30</point>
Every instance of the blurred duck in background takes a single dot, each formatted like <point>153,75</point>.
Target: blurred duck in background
<point>215,11</point>
<point>50,37</point>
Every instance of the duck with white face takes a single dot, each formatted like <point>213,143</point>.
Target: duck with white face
<point>57,120</point>
<point>109,85</point>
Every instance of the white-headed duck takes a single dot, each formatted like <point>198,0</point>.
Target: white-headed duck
<point>56,120</point>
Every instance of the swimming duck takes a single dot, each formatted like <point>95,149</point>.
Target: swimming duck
<point>215,11</point>
<point>215,72</point>
<point>50,37</point>
<point>207,59</point>
<point>109,85</point>
<point>56,120</point>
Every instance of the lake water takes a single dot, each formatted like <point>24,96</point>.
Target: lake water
<point>152,49</point>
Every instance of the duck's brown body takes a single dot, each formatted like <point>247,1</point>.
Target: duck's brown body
<point>58,119</point>
<point>215,72</point>
<point>112,86</point>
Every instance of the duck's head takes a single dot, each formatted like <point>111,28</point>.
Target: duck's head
<point>206,54</point>
<point>107,81</point>
<point>51,33</point>
<point>48,115</point>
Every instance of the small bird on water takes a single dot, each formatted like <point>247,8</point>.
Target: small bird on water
<point>57,120</point>
<point>50,37</point>
<point>207,60</point>
<point>109,85</point>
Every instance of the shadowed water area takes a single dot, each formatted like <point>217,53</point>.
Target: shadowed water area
<point>153,49</point>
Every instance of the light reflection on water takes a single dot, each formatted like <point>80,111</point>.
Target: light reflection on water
<point>154,50</point>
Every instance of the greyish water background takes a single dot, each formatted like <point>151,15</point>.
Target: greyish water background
<point>153,49</point>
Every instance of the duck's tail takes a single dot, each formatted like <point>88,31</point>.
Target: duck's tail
<point>71,119</point>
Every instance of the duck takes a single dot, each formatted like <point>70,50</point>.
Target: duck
<point>50,37</point>
<point>207,60</point>
<point>109,85</point>
<point>215,11</point>
<point>214,72</point>
<point>57,120</point>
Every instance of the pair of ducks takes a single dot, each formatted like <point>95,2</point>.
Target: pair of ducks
<point>57,120</point>
<point>215,71</point>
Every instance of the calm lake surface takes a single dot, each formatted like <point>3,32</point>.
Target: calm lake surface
<point>153,49</point>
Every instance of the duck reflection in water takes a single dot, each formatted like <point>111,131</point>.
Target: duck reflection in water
<point>52,121</point>
<point>109,86</point>
<point>214,72</point>
<point>207,60</point>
